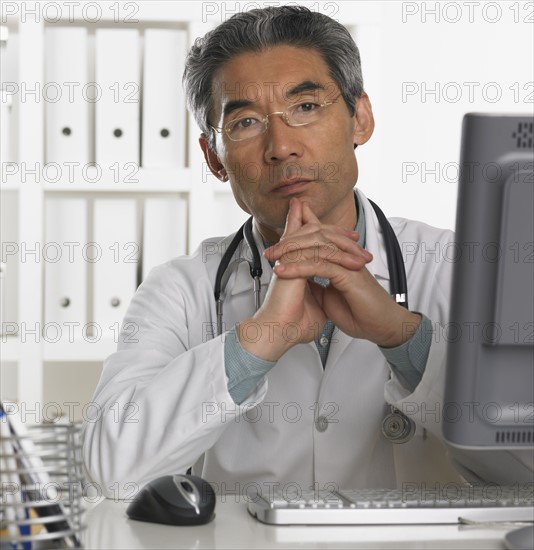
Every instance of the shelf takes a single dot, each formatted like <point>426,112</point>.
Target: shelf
<point>75,351</point>
<point>113,188</point>
<point>130,180</point>
<point>37,186</point>
<point>10,186</point>
<point>79,350</point>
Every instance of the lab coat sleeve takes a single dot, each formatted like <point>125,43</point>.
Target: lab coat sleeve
<point>162,399</point>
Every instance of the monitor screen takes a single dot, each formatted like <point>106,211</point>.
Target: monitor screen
<point>489,393</point>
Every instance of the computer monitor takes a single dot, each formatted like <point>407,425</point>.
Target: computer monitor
<point>489,389</point>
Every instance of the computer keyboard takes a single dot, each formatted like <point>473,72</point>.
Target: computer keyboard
<point>396,506</point>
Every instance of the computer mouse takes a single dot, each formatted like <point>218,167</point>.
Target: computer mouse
<point>174,500</point>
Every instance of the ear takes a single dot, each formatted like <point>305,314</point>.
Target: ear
<point>364,122</point>
<point>212,159</point>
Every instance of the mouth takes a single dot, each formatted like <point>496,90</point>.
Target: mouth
<point>290,186</point>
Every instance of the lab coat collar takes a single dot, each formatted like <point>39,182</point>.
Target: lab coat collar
<point>374,241</point>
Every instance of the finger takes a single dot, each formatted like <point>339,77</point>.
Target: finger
<point>324,254</point>
<point>294,217</point>
<point>313,241</point>
<point>336,274</point>
<point>312,235</point>
<point>330,252</point>
<point>323,245</point>
<point>309,218</point>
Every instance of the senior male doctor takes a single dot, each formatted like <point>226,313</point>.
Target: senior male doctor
<point>296,392</point>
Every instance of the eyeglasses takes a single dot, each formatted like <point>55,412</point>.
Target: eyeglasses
<point>251,125</point>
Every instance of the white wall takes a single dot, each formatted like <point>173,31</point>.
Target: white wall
<point>477,55</point>
<point>418,55</point>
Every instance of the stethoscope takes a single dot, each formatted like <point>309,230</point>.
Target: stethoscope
<point>396,427</point>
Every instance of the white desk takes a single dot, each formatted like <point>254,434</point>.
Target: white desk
<point>233,527</point>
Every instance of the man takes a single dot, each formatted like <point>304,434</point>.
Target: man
<point>295,393</point>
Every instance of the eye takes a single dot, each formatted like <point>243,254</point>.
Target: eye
<point>304,113</point>
<point>246,122</point>
<point>307,107</point>
<point>243,123</point>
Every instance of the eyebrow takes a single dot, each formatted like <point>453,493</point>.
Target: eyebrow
<point>305,86</point>
<point>235,104</point>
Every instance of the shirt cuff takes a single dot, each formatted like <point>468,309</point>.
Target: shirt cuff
<point>243,369</point>
<point>408,360</point>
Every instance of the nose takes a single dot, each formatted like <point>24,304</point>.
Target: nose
<point>281,141</point>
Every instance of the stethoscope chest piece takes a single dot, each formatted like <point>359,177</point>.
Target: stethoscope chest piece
<point>397,427</point>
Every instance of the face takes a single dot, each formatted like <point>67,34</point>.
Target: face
<point>315,162</point>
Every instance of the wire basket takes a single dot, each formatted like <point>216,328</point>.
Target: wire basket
<point>42,487</point>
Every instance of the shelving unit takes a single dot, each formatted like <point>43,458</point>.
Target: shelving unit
<point>26,191</point>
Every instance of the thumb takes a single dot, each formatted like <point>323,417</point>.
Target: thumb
<point>294,218</point>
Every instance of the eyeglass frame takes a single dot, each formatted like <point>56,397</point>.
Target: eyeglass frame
<point>265,120</point>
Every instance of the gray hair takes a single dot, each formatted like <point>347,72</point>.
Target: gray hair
<point>259,29</point>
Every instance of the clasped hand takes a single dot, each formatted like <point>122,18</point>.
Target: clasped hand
<point>353,299</point>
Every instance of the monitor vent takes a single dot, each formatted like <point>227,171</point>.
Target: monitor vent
<point>523,135</point>
<point>517,436</point>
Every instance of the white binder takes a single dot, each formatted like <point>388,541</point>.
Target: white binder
<point>164,231</point>
<point>117,69</point>
<point>163,140</point>
<point>10,262</point>
<point>6,118</point>
<point>115,273</point>
<point>67,110</point>
<point>65,266</point>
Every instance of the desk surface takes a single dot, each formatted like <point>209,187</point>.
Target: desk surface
<point>108,527</point>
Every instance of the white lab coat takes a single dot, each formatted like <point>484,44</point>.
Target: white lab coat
<point>163,401</point>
